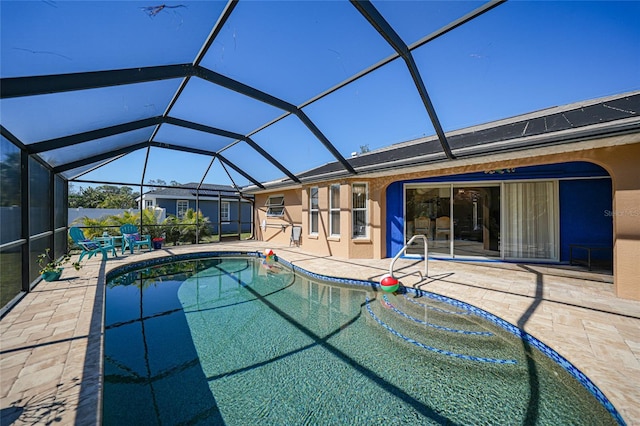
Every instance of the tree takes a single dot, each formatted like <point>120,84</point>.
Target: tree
<point>121,198</point>
<point>104,197</point>
<point>184,229</point>
<point>364,149</point>
<point>188,226</point>
<point>10,178</point>
<point>95,227</point>
<point>87,198</point>
<point>160,182</point>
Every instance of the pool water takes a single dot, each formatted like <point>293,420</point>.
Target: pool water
<point>233,341</point>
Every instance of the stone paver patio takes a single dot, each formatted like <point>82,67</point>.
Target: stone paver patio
<point>51,342</point>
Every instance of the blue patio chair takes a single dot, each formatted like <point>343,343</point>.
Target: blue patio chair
<point>91,247</point>
<point>131,238</point>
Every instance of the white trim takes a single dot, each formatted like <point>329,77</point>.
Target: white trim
<point>178,215</point>
<point>275,206</point>
<point>227,218</point>
<point>333,209</point>
<point>312,210</point>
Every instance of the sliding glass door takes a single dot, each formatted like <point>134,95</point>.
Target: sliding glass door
<point>514,220</point>
<point>427,212</point>
<point>476,221</point>
<point>531,224</point>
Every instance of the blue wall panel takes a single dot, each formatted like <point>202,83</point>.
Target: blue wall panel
<point>585,214</point>
<point>168,205</point>
<point>395,221</point>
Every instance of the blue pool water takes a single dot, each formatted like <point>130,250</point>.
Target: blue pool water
<point>231,341</point>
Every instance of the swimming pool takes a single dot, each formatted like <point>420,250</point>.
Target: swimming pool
<point>230,340</point>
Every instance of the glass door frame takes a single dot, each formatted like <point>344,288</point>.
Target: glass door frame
<point>481,184</point>
<point>430,185</point>
<point>503,214</point>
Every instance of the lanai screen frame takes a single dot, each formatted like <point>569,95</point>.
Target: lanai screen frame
<point>30,154</point>
<point>75,170</point>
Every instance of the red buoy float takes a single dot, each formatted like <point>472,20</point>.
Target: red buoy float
<point>389,284</point>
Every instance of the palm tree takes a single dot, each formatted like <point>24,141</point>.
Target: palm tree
<point>188,225</point>
<point>94,227</point>
<point>150,222</point>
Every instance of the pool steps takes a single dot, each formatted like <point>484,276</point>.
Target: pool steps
<point>436,326</point>
<point>436,350</point>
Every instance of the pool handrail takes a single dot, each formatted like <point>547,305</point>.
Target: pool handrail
<point>426,255</point>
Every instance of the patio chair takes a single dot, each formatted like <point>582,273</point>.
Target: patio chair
<point>443,226</point>
<point>91,247</point>
<point>423,226</point>
<point>131,238</point>
<point>296,233</point>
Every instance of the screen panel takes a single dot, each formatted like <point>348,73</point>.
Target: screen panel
<point>52,37</point>
<point>295,50</point>
<point>44,117</point>
<point>10,191</point>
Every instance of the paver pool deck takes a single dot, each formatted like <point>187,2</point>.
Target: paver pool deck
<point>51,341</point>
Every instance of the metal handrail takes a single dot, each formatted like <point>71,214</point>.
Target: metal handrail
<point>426,256</point>
<point>266,225</point>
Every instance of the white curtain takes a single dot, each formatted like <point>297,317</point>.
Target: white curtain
<point>530,225</point>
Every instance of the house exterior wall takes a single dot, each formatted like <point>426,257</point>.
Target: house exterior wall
<point>209,209</point>
<point>623,166</point>
<point>619,160</point>
<point>292,216</point>
<point>169,205</point>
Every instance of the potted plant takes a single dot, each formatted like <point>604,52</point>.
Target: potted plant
<point>51,269</point>
<point>157,242</point>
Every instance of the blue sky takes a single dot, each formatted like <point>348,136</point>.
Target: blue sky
<point>519,57</point>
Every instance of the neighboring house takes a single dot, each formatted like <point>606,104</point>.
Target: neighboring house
<point>529,188</point>
<point>76,213</point>
<point>222,204</point>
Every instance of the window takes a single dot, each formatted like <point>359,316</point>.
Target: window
<point>275,205</point>
<point>334,210</point>
<point>359,210</point>
<point>313,209</point>
<point>182,207</point>
<point>225,215</point>
<point>148,204</point>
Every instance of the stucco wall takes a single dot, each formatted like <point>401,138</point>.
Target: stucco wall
<point>322,243</point>
<point>292,216</point>
<point>622,161</point>
<point>623,164</point>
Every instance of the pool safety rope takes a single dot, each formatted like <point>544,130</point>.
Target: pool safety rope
<point>436,350</point>
<point>437,327</point>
